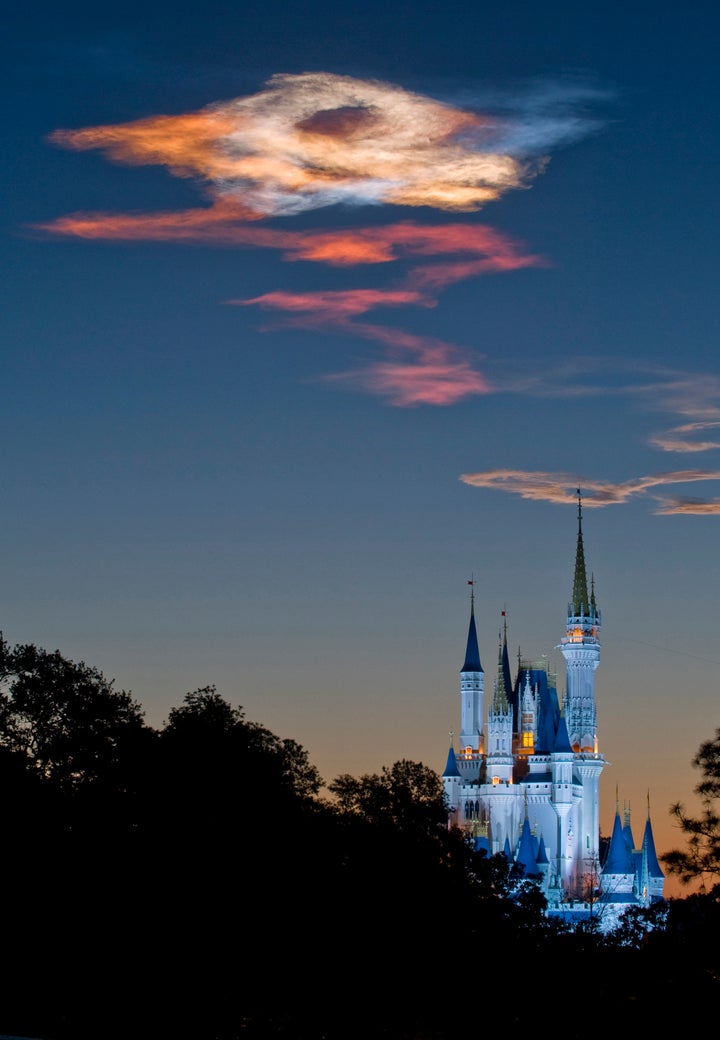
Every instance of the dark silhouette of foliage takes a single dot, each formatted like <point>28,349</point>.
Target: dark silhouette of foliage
<point>699,861</point>
<point>190,883</point>
<point>65,718</point>
<point>407,794</point>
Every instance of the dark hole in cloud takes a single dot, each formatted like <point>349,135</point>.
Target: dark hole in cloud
<point>343,122</point>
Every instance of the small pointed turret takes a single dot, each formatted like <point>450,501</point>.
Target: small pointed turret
<point>472,684</point>
<point>500,731</point>
<point>472,651</point>
<point>451,767</point>
<point>627,829</point>
<point>526,857</point>
<point>507,675</point>
<point>562,741</point>
<point>656,878</point>
<point>619,863</point>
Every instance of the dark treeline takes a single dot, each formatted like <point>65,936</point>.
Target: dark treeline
<point>191,882</point>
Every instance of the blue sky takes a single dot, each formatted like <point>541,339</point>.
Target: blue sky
<point>286,497</point>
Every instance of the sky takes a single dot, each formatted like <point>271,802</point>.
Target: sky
<point>313,315</point>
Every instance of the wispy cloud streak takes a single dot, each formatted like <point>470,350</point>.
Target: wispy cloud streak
<point>420,369</point>
<point>562,488</point>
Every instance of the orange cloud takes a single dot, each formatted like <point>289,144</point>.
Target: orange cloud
<point>189,145</point>
<point>316,139</point>
<point>223,223</point>
<point>562,487</point>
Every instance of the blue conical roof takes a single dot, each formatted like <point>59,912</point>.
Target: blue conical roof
<point>619,859</point>
<point>472,652</point>
<point>451,768</point>
<point>542,856</point>
<point>649,847</point>
<point>526,857</point>
<point>628,834</point>
<point>562,740</point>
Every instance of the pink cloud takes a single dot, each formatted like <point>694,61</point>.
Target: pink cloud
<point>438,372</point>
<point>445,381</point>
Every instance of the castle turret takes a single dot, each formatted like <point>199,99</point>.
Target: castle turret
<point>653,876</point>
<point>618,873</point>
<point>581,650</point>
<point>451,784</point>
<point>472,680</point>
<point>500,731</point>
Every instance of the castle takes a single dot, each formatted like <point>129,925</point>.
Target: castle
<point>525,780</point>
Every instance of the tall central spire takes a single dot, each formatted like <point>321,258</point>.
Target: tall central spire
<point>581,650</point>
<point>580,600</point>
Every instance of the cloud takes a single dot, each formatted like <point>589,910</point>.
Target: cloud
<point>678,439</point>
<point>441,377</point>
<point>689,507</point>
<point>420,370</point>
<point>438,373</point>
<point>317,139</point>
<point>654,388</point>
<point>562,488</point>
<point>318,308</point>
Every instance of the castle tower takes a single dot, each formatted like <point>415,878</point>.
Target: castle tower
<point>500,732</point>
<point>472,681</point>
<point>581,649</point>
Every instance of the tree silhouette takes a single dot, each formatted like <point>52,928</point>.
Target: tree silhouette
<point>699,861</point>
<point>64,720</point>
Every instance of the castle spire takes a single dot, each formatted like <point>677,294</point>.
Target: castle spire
<point>500,700</point>
<point>472,685</point>
<point>512,695</point>
<point>472,651</point>
<point>581,650</point>
<point>580,601</point>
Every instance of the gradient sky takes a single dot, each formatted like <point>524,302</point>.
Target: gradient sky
<point>313,314</point>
